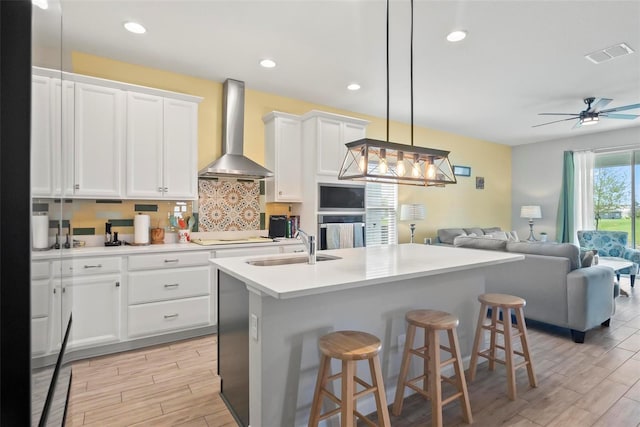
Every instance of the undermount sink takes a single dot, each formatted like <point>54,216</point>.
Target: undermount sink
<point>289,260</point>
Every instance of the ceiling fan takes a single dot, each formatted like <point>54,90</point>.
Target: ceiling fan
<point>592,114</point>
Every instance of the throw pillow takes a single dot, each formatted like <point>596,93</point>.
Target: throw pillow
<point>501,235</point>
<point>483,242</point>
<point>513,236</point>
<point>586,258</point>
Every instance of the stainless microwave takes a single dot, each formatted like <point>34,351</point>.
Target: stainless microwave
<point>341,197</point>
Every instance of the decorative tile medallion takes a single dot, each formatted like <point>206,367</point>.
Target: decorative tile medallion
<point>227,205</point>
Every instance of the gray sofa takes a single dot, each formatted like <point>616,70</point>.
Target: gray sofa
<point>558,290</point>
<point>445,236</point>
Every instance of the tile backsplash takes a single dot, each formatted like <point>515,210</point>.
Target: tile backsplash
<point>224,205</point>
<point>230,205</point>
<point>88,217</point>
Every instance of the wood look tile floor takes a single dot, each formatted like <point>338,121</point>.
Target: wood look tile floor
<point>579,385</point>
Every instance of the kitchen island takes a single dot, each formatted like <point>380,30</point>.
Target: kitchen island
<point>271,317</point>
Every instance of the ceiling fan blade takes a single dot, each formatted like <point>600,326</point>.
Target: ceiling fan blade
<point>623,108</point>
<point>577,125</point>
<point>619,116</point>
<point>601,103</point>
<point>558,114</point>
<point>556,121</point>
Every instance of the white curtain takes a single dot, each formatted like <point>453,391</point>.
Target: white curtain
<point>583,163</point>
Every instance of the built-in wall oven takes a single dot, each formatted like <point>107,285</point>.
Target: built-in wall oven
<point>341,230</point>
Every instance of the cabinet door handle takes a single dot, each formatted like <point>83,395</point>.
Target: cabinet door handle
<point>76,187</point>
<point>93,266</point>
<point>54,290</point>
<point>172,285</point>
<point>280,193</point>
<point>166,189</point>
<point>171,316</point>
<point>117,284</point>
<point>172,260</point>
<point>64,290</point>
<point>160,189</point>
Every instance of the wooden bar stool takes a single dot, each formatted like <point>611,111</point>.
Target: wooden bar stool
<point>349,347</point>
<point>504,303</point>
<point>433,322</point>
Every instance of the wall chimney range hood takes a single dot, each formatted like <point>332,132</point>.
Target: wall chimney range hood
<point>233,164</point>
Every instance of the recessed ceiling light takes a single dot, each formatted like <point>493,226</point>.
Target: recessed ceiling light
<point>353,86</point>
<point>42,4</point>
<point>457,35</point>
<point>268,63</point>
<point>134,27</point>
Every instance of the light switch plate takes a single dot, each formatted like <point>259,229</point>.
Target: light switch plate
<point>253,327</point>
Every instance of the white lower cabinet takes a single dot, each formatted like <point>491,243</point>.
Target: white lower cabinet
<point>158,317</point>
<point>118,298</point>
<point>168,292</point>
<point>41,308</point>
<point>166,285</point>
<point>95,307</point>
<point>40,335</point>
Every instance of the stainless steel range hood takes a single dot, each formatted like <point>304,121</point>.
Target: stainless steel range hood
<point>233,163</point>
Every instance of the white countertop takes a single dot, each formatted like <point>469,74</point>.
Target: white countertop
<point>357,267</point>
<point>149,249</point>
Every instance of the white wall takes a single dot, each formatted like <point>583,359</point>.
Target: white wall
<point>537,173</point>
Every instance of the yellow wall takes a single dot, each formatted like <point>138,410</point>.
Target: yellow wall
<point>453,206</point>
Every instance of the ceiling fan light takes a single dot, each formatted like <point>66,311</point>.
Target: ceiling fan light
<point>588,121</point>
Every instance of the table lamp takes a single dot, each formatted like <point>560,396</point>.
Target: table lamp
<point>412,212</point>
<point>532,212</point>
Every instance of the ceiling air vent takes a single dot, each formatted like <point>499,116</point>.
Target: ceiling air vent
<point>607,54</point>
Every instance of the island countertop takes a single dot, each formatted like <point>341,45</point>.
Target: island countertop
<point>357,267</point>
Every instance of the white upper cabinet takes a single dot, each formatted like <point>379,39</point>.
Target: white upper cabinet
<point>283,156</point>
<point>328,133</point>
<point>99,136</point>
<point>162,143</point>
<point>51,136</point>
<point>144,145</point>
<point>42,136</point>
<point>102,139</point>
<point>180,149</point>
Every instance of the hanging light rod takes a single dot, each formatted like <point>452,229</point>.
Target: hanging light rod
<point>389,162</point>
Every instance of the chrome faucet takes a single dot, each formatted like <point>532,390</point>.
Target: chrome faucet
<point>309,244</point>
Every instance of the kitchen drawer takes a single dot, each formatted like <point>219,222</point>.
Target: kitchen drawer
<point>168,284</point>
<point>87,266</point>
<point>157,317</point>
<point>168,260</point>
<point>40,335</point>
<point>40,291</point>
<point>267,250</point>
<point>40,270</point>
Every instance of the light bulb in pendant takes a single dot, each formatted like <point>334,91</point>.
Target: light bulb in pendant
<point>383,161</point>
<point>400,166</point>
<point>362,163</point>
<point>415,169</point>
<point>431,171</point>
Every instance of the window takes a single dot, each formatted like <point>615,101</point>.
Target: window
<point>381,202</point>
<point>615,193</point>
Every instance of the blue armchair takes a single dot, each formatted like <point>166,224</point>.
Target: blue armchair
<point>611,244</point>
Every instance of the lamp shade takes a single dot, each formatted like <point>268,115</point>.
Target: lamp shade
<point>531,212</point>
<point>411,212</point>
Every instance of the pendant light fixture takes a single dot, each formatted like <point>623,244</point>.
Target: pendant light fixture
<point>389,162</point>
